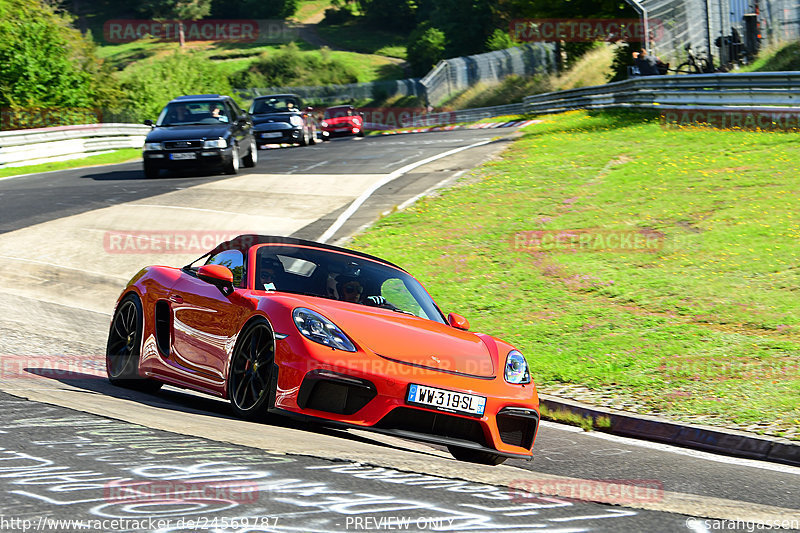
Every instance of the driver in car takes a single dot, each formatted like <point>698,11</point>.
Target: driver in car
<point>269,272</point>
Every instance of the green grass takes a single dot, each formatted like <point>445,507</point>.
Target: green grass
<point>785,56</point>
<point>118,156</point>
<point>360,37</point>
<point>232,57</point>
<point>703,328</point>
<point>565,416</point>
<point>309,8</point>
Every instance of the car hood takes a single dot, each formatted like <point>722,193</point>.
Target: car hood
<point>170,133</point>
<point>340,120</point>
<point>412,340</point>
<point>273,117</point>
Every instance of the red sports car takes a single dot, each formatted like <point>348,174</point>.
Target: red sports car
<point>288,326</point>
<point>342,120</point>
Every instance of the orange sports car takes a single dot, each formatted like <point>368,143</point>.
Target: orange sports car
<point>299,328</point>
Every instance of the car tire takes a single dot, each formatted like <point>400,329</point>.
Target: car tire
<point>151,172</point>
<point>360,133</point>
<point>251,158</point>
<point>304,138</point>
<point>476,456</point>
<point>250,386</point>
<point>124,346</point>
<point>313,138</point>
<point>232,167</point>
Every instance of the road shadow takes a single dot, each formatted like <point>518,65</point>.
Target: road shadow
<point>190,402</point>
<point>137,174</point>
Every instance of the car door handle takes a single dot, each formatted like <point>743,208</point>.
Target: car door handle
<point>176,298</point>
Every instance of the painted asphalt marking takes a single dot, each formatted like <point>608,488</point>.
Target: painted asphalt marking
<point>752,463</point>
<point>315,165</point>
<point>157,206</point>
<point>331,231</point>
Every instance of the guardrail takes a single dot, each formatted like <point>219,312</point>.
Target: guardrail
<point>27,147</point>
<point>758,89</point>
<point>467,115</point>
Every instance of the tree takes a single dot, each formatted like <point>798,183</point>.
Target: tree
<point>45,64</point>
<point>467,24</point>
<point>396,14</point>
<point>426,47</point>
<point>176,10</point>
<point>253,9</point>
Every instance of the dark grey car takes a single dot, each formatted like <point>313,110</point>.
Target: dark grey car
<point>200,131</point>
<point>281,118</point>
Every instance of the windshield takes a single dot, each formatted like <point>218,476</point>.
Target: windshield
<point>333,275</point>
<point>183,113</point>
<point>275,104</point>
<point>337,112</point>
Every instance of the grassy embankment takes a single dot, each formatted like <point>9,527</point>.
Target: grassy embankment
<point>703,328</point>
<point>117,156</point>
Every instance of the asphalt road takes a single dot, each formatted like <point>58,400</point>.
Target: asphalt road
<point>52,353</point>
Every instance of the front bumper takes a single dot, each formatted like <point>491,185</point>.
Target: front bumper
<point>184,159</point>
<point>367,391</point>
<point>278,136</point>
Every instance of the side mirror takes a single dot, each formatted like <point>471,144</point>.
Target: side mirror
<point>458,321</point>
<point>149,122</point>
<point>217,275</point>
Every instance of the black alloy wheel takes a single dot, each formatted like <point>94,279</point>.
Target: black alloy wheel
<point>250,374</point>
<point>124,344</point>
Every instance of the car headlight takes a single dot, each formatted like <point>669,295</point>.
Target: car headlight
<point>323,124</point>
<point>295,120</point>
<point>215,143</point>
<point>516,369</point>
<point>319,329</point>
<point>153,146</point>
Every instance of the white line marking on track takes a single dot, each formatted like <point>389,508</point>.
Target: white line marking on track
<point>737,461</point>
<point>429,190</point>
<point>315,165</point>
<point>185,208</point>
<point>339,222</point>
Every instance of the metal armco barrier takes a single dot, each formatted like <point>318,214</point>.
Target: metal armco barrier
<point>61,142</point>
<point>757,89</point>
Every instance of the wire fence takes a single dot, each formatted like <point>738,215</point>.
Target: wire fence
<point>716,26</point>
<point>447,77</point>
<point>460,73</point>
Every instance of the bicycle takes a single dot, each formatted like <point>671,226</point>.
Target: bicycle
<point>695,64</point>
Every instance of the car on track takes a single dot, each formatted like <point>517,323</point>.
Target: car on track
<point>198,132</point>
<point>281,118</point>
<point>294,327</point>
<point>342,120</point>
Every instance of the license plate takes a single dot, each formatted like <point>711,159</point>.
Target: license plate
<point>186,155</point>
<point>446,400</point>
<point>271,135</point>
<point>342,129</point>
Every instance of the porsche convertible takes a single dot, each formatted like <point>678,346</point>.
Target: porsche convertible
<point>286,326</point>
